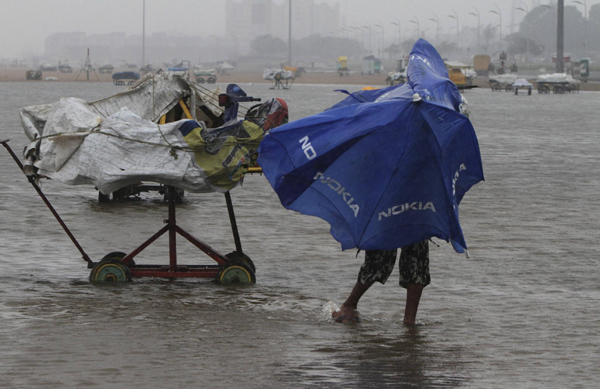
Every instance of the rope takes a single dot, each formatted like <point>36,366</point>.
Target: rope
<point>167,145</point>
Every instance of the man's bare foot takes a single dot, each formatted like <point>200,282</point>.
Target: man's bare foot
<point>346,314</point>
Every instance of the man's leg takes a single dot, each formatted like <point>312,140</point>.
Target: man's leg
<point>348,310</point>
<point>378,266</point>
<point>414,276</point>
<point>413,296</point>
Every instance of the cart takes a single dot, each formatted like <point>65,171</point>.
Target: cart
<point>502,82</point>
<point>557,83</point>
<point>205,76</point>
<point>234,267</point>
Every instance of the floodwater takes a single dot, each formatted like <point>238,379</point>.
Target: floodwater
<point>523,311</point>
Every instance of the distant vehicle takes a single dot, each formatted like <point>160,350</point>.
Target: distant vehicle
<point>33,74</point>
<point>296,70</point>
<point>460,74</point>
<point>47,67</point>
<point>106,69</point>
<point>481,64</point>
<point>65,69</point>
<point>207,76</point>
<point>222,68</point>
<point>125,78</point>
<point>342,63</point>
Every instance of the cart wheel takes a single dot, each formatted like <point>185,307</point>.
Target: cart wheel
<point>236,273</point>
<point>110,270</point>
<point>241,257</point>
<point>200,80</point>
<point>211,80</point>
<point>102,198</point>
<point>118,255</point>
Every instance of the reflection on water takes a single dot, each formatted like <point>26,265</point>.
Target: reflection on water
<point>521,313</point>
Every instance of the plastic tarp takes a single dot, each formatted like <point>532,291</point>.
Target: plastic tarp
<point>557,78</point>
<point>504,78</point>
<point>116,142</point>
<point>522,83</point>
<point>269,74</point>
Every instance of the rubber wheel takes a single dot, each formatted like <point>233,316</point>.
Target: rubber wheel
<point>119,255</point>
<point>200,80</point>
<point>236,273</point>
<point>211,80</point>
<point>110,270</point>
<point>241,257</point>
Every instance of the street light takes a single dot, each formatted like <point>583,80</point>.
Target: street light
<point>499,13</point>
<point>437,20</point>
<point>478,28</point>
<point>216,49</point>
<point>397,23</point>
<point>416,21</point>
<point>369,27</point>
<point>548,49</point>
<point>584,3</point>
<point>526,10</point>
<point>382,37</point>
<point>144,34</point>
<point>455,16</point>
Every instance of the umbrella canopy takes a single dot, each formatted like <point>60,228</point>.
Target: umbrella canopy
<point>386,168</point>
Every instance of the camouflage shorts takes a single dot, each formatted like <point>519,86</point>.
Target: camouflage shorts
<point>413,263</point>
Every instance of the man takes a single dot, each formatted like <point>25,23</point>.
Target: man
<point>378,265</point>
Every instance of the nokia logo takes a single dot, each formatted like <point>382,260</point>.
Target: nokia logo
<point>339,189</point>
<point>398,209</point>
<point>454,179</point>
<point>309,151</point>
<point>425,60</point>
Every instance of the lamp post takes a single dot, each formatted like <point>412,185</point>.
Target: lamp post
<point>369,27</point>
<point>526,10</point>
<point>560,36</point>
<point>144,34</point>
<point>382,37</point>
<point>549,45</point>
<point>397,23</point>
<point>290,35</point>
<point>499,13</point>
<point>416,21</point>
<point>585,21</point>
<point>235,41</point>
<point>437,21</point>
<point>455,16</point>
<point>478,28</point>
<point>216,49</point>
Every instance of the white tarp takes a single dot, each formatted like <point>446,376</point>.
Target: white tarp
<point>269,74</point>
<point>116,142</point>
<point>504,78</point>
<point>522,83</point>
<point>557,78</point>
<point>124,150</point>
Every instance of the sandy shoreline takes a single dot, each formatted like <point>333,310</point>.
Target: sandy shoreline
<point>375,80</point>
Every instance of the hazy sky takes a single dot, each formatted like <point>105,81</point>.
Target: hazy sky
<point>24,24</point>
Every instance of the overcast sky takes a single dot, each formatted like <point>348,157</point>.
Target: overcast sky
<point>24,24</point>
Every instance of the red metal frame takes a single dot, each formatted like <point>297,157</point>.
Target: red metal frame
<point>173,270</point>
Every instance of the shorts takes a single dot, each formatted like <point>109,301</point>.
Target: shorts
<point>413,264</point>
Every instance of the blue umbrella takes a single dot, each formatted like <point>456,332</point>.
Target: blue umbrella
<point>386,168</point>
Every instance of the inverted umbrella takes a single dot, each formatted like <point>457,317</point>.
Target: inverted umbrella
<point>386,168</point>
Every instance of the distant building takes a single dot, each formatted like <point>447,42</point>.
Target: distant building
<point>247,19</point>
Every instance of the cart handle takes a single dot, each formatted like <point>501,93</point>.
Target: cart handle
<point>31,180</point>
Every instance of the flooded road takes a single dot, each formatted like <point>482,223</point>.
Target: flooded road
<point>522,312</point>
